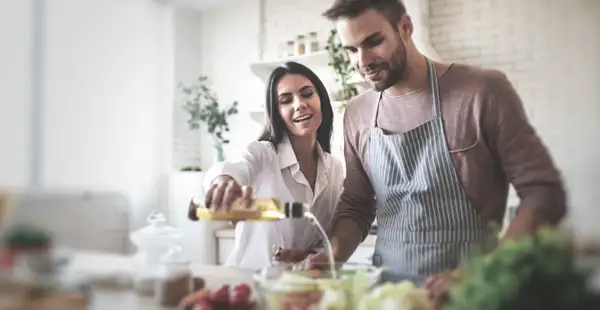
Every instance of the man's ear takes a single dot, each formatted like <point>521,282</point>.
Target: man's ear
<point>405,26</point>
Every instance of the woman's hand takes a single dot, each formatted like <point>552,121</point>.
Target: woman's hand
<point>224,192</point>
<point>290,256</point>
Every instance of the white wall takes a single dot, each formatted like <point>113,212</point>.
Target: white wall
<point>109,81</point>
<point>230,37</point>
<point>187,146</point>
<point>107,95</point>
<point>15,29</point>
<point>281,24</point>
<point>548,49</point>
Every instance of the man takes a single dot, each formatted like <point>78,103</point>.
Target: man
<point>431,150</point>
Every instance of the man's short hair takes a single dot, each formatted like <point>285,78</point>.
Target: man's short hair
<point>393,10</point>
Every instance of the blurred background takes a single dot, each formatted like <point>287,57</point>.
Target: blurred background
<point>94,136</point>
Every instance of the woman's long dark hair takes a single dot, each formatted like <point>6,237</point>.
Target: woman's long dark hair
<point>275,129</point>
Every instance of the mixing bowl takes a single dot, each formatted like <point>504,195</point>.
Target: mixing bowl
<point>281,289</point>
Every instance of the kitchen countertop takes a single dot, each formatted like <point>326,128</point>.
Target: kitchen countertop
<point>107,267</point>
<point>109,264</point>
<point>229,233</point>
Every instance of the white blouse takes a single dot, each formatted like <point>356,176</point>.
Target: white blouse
<point>274,174</point>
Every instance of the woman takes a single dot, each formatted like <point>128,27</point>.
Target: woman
<point>290,161</point>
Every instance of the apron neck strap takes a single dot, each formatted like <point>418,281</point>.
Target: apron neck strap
<point>377,109</point>
<point>433,85</point>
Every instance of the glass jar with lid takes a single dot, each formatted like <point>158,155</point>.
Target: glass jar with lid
<point>174,278</point>
<point>313,42</point>
<point>290,48</point>
<point>152,242</point>
<point>300,48</point>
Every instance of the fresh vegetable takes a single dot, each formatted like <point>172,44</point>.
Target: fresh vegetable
<point>344,293</point>
<point>292,291</point>
<point>395,296</point>
<point>535,272</point>
<point>301,290</point>
<point>240,295</point>
<point>222,298</point>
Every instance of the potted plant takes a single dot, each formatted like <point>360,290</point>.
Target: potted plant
<point>342,68</point>
<point>24,239</point>
<point>203,106</point>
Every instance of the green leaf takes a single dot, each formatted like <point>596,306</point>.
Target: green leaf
<point>341,65</point>
<point>535,272</point>
<point>202,105</point>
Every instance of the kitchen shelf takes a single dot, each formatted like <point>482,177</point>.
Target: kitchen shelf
<point>313,60</point>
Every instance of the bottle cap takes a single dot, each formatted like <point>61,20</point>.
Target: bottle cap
<point>294,209</point>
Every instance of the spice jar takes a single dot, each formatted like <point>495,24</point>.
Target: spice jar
<point>313,42</point>
<point>290,49</point>
<point>300,45</point>
<point>174,280</point>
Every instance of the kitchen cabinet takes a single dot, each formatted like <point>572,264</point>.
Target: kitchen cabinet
<point>224,248</point>
<point>224,241</point>
<point>184,186</point>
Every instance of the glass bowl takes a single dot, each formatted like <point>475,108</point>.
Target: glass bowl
<point>291,293</point>
<point>280,289</point>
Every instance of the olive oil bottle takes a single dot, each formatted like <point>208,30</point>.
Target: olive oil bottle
<point>260,210</point>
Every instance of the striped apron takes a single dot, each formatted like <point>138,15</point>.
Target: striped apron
<point>425,221</point>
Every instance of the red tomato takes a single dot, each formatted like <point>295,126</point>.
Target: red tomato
<point>240,295</point>
<point>221,295</point>
<point>203,305</point>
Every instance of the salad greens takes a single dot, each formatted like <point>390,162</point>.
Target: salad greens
<point>395,296</point>
<point>342,294</point>
<point>535,272</point>
<point>352,291</point>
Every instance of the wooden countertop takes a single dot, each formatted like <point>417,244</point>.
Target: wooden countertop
<point>229,233</point>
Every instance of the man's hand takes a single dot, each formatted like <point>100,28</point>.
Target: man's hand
<point>438,286</point>
<point>526,222</point>
<point>319,260</point>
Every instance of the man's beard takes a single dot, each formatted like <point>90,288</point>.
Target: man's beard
<point>395,69</point>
